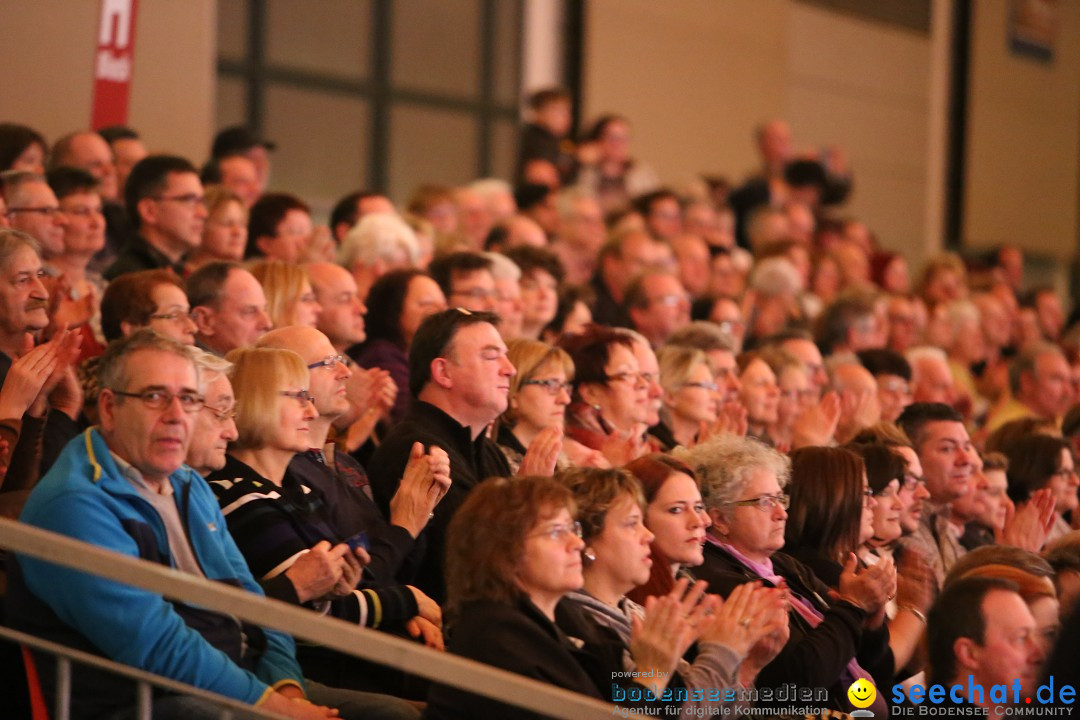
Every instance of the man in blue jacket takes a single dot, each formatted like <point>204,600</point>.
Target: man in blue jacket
<point>123,486</point>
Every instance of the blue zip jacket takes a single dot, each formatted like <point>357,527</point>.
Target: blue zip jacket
<point>85,496</point>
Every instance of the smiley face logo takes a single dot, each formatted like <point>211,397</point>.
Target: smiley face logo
<point>862,693</point>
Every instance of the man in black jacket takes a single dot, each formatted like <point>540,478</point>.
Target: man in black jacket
<point>459,377</point>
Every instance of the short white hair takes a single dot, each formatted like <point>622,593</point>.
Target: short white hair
<point>486,187</point>
<point>502,267</point>
<point>922,353</point>
<point>378,236</point>
<point>776,276</point>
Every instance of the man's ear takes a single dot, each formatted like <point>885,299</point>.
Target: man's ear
<point>148,210</point>
<point>440,373</point>
<point>204,320</point>
<point>967,653</point>
<point>126,328</point>
<point>106,406</point>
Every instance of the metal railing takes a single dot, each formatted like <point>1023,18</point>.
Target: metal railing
<point>335,634</point>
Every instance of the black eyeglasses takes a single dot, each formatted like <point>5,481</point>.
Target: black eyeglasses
<point>49,212</point>
<point>302,396</point>
<point>329,362</point>
<point>174,315</point>
<point>552,385</point>
<point>190,402</point>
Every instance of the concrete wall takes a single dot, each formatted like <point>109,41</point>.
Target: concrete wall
<point>47,53</point>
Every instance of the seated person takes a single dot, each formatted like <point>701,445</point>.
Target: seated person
<point>290,299</point>
<point>539,394</point>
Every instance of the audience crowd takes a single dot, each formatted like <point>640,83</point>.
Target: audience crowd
<point>607,434</point>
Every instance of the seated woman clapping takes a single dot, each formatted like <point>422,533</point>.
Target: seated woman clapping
<point>513,553</point>
<point>611,508</point>
<point>742,481</point>
<point>536,409</point>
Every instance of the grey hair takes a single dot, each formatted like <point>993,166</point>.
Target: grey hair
<point>724,466</point>
<point>209,367</point>
<point>112,370</point>
<point>13,240</point>
<point>502,267</point>
<point>703,335</point>
<point>378,236</point>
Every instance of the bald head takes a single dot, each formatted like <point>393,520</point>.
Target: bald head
<point>88,151</point>
<point>342,316</point>
<point>326,380</point>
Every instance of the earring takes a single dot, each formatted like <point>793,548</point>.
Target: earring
<point>595,406</point>
<point>589,554</point>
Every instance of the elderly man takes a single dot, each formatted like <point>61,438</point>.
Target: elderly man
<point>165,203</point>
<point>931,378</point>
<point>228,306</point>
<point>858,393</point>
<point>122,487</point>
<point>459,377</point>
<point>1039,380</point>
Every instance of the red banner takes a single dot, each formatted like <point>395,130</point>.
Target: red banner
<point>113,63</point>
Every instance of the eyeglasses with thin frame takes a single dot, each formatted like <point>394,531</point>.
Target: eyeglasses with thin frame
<point>329,362</point>
<point>710,386</point>
<point>302,396</point>
<point>190,199</point>
<point>552,385</point>
<point>190,402</point>
<point>174,315</point>
<point>49,212</point>
<point>558,533</point>
<point>222,415</point>
<point>912,482</point>
<point>632,377</point>
<point>764,503</point>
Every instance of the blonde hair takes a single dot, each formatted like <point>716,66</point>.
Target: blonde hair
<point>258,376</point>
<point>283,283</point>
<point>528,357</point>
<point>218,196</point>
<point>676,363</point>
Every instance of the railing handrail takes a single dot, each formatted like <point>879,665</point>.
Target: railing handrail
<point>332,633</point>
<point>142,676</point>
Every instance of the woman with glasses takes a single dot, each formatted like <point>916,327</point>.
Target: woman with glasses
<point>618,557</point>
<point>539,394</point>
<point>691,401</point>
<point>290,299</point>
<point>225,232</point>
<point>514,551</point>
<point>906,613</point>
<point>1044,461</point>
<point>610,409</point>
<point>284,528</point>
<point>742,481</point>
<point>398,302</point>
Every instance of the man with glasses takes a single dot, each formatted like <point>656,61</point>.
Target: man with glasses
<point>467,280</point>
<point>32,207</point>
<point>658,304</point>
<point>165,202</point>
<point>123,486</point>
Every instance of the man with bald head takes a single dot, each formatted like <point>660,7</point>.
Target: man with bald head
<point>342,480</point>
<point>88,151</point>
<point>342,316</point>
<point>859,406</point>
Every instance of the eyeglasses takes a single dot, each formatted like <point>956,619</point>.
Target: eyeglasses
<point>670,300</point>
<point>49,212</point>
<point>175,315</point>
<point>82,211</point>
<point>764,503</point>
<point>558,533</point>
<point>221,414</point>
<point>191,199</point>
<point>912,482</point>
<point>329,362</point>
<point>631,377</point>
<point>475,293</point>
<point>160,399</point>
<point>552,385</point>
<point>710,386</point>
<point>895,386</point>
<point>301,396</point>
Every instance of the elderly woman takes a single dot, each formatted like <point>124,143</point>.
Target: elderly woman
<point>611,507</point>
<point>282,525</point>
<point>290,299</point>
<point>226,230</point>
<point>514,551</point>
<point>691,400</point>
<point>402,299</point>
<point>611,396</point>
<point>742,481</point>
<point>1044,461</point>
<point>539,394</point>
<point>377,244</point>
